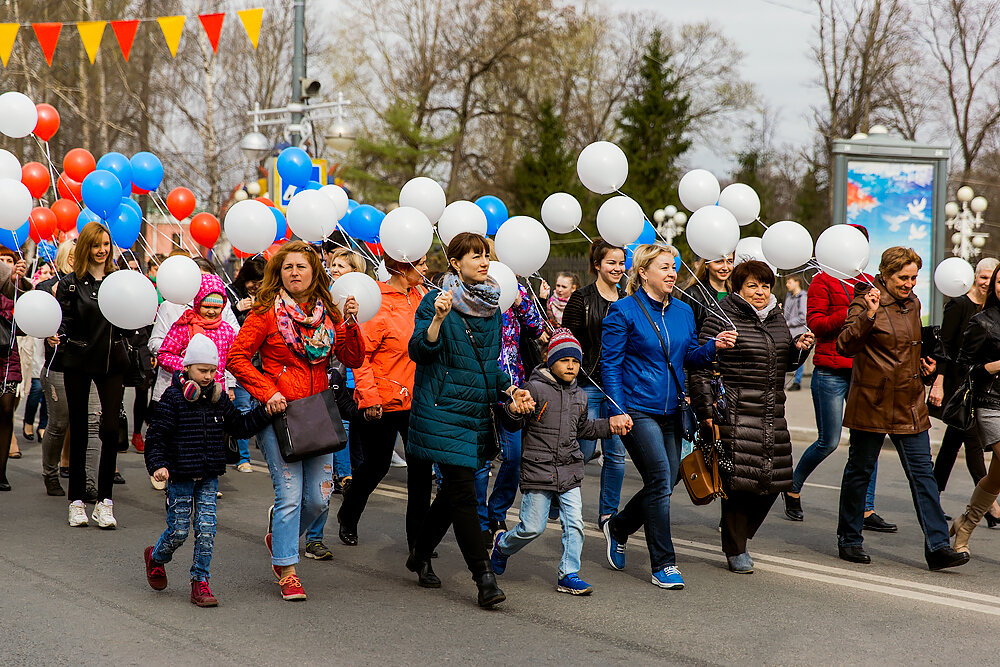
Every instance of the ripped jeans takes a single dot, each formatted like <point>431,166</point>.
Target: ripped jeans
<point>301,498</point>
<point>186,500</point>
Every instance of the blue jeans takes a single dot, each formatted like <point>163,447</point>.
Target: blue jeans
<point>613,470</point>
<point>798,374</point>
<point>36,399</point>
<point>655,451</point>
<point>505,484</point>
<point>244,403</point>
<point>829,391</point>
<point>193,499</point>
<point>915,457</point>
<point>534,515</point>
<point>301,498</point>
<point>342,457</point>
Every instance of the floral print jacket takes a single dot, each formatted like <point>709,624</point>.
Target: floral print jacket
<point>517,319</point>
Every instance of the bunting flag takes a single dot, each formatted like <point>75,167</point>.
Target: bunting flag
<point>48,37</point>
<point>172,27</point>
<point>212,23</point>
<point>252,19</point>
<point>125,34</point>
<point>91,33</point>
<point>8,33</point>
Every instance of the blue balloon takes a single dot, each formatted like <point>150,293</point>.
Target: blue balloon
<point>279,218</point>
<point>365,222</point>
<point>47,251</point>
<point>118,165</point>
<point>648,234</point>
<point>629,252</point>
<point>313,185</point>
<point>102,192</point>
<point>133,204</point>
<point>125,226</point>
<point>295,167</point>
<point>495,210</point>
<point>85,217</point>
<point>678,262</point>
<point>14,239</point>
<point>351,205</point>
<point>147,170</point>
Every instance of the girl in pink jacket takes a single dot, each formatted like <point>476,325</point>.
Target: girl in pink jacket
<point>204,317</point>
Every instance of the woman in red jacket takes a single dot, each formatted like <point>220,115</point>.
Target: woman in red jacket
<point>296,327</point>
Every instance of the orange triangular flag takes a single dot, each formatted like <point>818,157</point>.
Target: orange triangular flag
<point>172,27</point>
<point>8,33</point>
<point>48,37</point>
<point>212,23</point>
<point>90,34</point>
<point>252,18</point>
<point>125,34</point>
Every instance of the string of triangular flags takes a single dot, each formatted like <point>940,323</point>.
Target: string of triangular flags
<point>91,33</point>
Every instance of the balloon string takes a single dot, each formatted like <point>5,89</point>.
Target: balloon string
<point>55,185</point>
<point>589,240</point>
<point>711,300</point>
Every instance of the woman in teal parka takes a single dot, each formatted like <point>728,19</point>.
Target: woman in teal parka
<point>455,344</point>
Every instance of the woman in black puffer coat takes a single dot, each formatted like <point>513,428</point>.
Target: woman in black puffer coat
<point>756,432</point>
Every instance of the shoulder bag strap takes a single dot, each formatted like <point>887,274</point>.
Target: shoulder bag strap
<point>666,352</point>
<point>472,342</point>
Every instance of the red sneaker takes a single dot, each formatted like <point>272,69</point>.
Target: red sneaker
<point>291,588</point>
<point>201,594</point>
<point>274,568</point>
<point>156,575</point>
<point>138,442</point>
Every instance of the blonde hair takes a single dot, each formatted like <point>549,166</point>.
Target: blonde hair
<point>356,261</point>
<point>62,256</point>
<point>641,259</point>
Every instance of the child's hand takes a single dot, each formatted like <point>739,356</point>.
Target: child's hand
<point>161,475</point>
<point>523,402</point>
<point>620,424</point>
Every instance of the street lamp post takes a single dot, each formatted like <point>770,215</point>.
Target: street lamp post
<point>669,222</point>
<point>966,220</point>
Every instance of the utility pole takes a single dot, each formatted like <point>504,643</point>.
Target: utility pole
<point>298,67</point>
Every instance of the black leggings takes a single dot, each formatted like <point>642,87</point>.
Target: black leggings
<point>377,438</point>
<point>110,389</point>
<point>8,403</point>
<point>139,407</point>
<point>975,461</point>
<point>455,505</point>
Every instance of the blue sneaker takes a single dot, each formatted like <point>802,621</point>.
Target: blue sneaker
<point>574,585</point>
<point>669,578</point>
<point>616,549</point>
<point>497,559</point>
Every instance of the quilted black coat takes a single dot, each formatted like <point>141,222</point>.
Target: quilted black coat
<point>754,376</point>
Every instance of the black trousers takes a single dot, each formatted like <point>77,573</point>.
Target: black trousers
<point>455,505</point>
<point>419,482</point>
<point>975,460</point>
<point>110,389</point>
<point>743,512</point>
<point>377,439</point>
<point>139,408</point>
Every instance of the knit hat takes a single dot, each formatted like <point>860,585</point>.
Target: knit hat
<point>563,344</point>
<point>201,350</point>
<point>213,300</point>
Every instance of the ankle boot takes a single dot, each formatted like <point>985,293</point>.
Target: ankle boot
<point>425,573</point>
<point>962,528</point>
<point>489,593</point>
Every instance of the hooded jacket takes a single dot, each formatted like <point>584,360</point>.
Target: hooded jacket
<point>171,354</point>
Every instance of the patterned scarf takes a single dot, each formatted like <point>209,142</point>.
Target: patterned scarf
<point>479,300</point>
<point>309,336</point>
<point>196,323</point>
<point>557,306</point>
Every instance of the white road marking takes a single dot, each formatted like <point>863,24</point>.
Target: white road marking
<point>822,486</point>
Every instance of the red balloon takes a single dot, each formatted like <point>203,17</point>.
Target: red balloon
<point>269,253</point>
<point>36,178</point>
<point>376,248</point>
<point>265,201</point>
<point>204,229</point>
<point>69,188</point>
<point>239,253</point>
<point>41,224</point>
<point>136,190</point>
<point>48,121</point>
<point>180,203</point>
<point>66,212</point>
<point>78,163</point>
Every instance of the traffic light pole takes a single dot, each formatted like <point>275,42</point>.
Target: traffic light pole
<point>298,64</point>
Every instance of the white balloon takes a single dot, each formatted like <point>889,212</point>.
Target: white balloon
<point>38,314</point>
<point>561,212</point>
<point>748,249</point>
<point>311,215</point>
<point>381,272</point>
<point>128,300</point>
<point>842,251</point>
<point>602,167</point>
<point>425,195</point>
<point>461,216</point>
<point>250,226</point>
<point>741,201</point>
<point>698,188</point>
<point>339,197</point>
<point>954,277</point>
<point>620,220</point>
<point>501,273</point>
<point>178,279</point>
<point>365,290</point>
<point>406,234</point>
<point>522,244</point>
<point>787,245</point>
<point>712,232</point>
<point>15,203</point>
<point>18,115</point>
<point>9,166</point>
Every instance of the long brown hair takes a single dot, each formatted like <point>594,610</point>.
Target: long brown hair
<point>90,236</point>
<point>319,289</point>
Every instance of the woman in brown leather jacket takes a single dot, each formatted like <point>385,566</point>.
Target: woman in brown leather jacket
<point>882,334</point>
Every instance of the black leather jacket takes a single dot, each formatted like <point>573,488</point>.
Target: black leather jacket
<point>584,316</point>
<point>88,343</point>
<point>981,346</point>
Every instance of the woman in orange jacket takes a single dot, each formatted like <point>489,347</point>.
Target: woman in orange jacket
<point>296,327</point>
<point>383,384</point>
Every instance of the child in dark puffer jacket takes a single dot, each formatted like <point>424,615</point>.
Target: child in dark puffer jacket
<point>185,445</point>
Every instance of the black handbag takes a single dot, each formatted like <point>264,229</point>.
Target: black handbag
<point>140,373</point>
<point>123,441</point>
<point>309,427</point>
<point>6,333</point>
<point>687,423</point>
<point>959,411</point>
<point>232,450</point>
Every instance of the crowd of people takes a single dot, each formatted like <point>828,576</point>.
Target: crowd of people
<point>632,363</point>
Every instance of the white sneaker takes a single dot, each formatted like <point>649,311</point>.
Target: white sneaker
<point>77,513</point>
<point>397,460</point>
<point>103,515</point>
<point>159,486</point>
<point>245,467</point>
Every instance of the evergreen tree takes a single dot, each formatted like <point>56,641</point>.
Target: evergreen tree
<point>812,207</point>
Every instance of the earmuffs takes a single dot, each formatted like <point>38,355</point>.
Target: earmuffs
<point>193,391</point>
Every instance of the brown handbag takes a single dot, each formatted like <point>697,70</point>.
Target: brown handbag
<point>701,476</point>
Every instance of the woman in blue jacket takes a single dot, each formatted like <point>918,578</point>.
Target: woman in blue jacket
<point>639,331</point>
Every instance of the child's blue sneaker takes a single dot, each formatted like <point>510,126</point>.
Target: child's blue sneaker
<point>616,549</point>
<point>574,585</point>
<point>669,578</point>
<point>497,559</point>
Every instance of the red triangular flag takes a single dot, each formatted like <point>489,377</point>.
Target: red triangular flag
<point>213,28</point>
<point>48,37</point>
<point>125,33</point>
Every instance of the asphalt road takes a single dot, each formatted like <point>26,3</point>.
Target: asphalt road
<point>79,596</point>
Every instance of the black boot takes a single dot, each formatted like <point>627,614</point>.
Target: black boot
<point>488,540</point>
<point>348,533</point>
<point>425,574</point>
<point>489,593</point>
